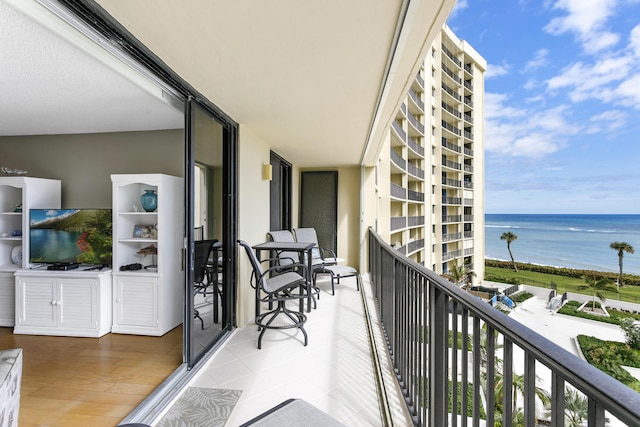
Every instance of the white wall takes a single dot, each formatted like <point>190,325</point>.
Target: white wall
<point>253,213</point>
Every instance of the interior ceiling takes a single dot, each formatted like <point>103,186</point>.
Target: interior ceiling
<point>49,86</point>
<point>303,76</point>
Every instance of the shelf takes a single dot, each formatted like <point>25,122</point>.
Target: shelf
<point>11,238</point>
<point>137,240</point>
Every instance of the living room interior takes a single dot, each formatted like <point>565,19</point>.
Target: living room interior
<point>73,113</point>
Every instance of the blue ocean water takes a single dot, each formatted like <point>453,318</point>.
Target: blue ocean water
<point>572,241</point>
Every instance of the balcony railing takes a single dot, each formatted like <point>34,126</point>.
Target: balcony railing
<point>451,255</point>
<point>415,122</point>
<point>416,98</point>
<point>419,311</point>
<point>420,80</point>
<point>468,234</point>
<point>451,128</point>
<point>468,184</point>
<point>398,222</point>
<point>452,110</point>
<point>413,144</point>
<point>451,146</point>
<point>451,56</point>
<point>449,237</point>
<point>451,74</point>
<point>398,128</point>
<point>468,151</point>
<point>415,221</point>
<point>451,92</point>
<point>416,245</point>
<point>451,218</point>
<point>415,170</point>
<point>451,164</point>
<point>451,200</point>
<point>398,192</point>
<point>416,196</point>
<point>468,168</point>
<point>468,202</point>
<point>398,160</point>
<point>451,182</point>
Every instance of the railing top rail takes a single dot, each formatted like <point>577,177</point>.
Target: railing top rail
<point>620,400</point>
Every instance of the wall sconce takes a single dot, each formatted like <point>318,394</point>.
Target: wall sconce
<point>266,172</point>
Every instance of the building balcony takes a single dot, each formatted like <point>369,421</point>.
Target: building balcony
<point>451,110</point>
<point>451,182</point>
<point>451,200</point>
<point>415,146</point>
<point>416,196</point>
<point>451,164</point>
<point>451,146</point>
<point>451,92</point>
<point>398,192</point>
<point>468,202</point>
<point>451,218</point>
<point>468,151</point>
<point>450,237</point>
<point>415,246</point>
<point>416,98</point>
<point>420,80</point>
<point>398,160</point>
<point>468,234</point>
<point>451,74</point>
<point>415,123</point>
<point>468,218</point>
<point>447,256</point>
<point>415,171</point>
<point>383,356</point>
<point>415,221</point>
<point>468,168</point>
<point>397,127</point>
<point>451,128</point>
<point>468,184</point>
<point>451,56</point>
<point>398,223</point>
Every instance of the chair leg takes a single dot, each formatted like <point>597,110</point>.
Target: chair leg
<point>196,315</point>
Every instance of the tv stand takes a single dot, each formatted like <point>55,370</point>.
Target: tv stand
<point>63,303</point>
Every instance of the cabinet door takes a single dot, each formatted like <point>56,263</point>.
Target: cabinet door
<point>7,299</point>
<point>36,302</point>
<point>136,301</point>
<point>78,303</point>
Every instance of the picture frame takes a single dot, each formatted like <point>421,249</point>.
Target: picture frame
<point>142,231</point>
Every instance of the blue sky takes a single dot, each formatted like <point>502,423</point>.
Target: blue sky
<point>562,103</point>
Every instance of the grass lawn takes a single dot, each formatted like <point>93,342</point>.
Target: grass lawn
<point>563,283</point>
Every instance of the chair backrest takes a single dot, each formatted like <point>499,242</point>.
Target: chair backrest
<point>285,236</point>
<point>308,235</point>
<point>201,258</point>
<point>255,264</point>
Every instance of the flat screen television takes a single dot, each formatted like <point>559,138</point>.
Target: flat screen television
<point>82,236</point>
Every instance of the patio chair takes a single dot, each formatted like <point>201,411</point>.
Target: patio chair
<point>320,256</point>
<point>286,286</point>
<point>201,272</point>
<point>337,273</point>
<point>284,258</point>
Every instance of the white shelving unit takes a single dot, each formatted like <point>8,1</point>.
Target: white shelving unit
<point>147,301</point>
<point>28,193</point>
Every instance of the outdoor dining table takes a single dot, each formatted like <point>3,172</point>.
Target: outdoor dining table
<point>301,248</point>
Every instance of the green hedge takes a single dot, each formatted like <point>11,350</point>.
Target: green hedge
<point>610,356</point>
<point>629,279</point>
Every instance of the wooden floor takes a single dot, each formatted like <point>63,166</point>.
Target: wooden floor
<point>70,381</point>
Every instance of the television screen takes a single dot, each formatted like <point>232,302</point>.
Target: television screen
<point>70,235</point>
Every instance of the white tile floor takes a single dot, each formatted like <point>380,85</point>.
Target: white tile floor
<point>333,372</point>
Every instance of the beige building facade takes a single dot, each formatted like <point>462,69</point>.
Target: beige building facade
<point>429,179</point>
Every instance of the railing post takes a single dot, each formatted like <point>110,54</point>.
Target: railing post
<point>438,354</point>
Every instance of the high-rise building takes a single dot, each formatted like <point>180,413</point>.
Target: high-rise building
<point>430,179</point>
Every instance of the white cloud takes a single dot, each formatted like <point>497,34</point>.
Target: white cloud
<point>494,70</point>
<point>597,80</point>
<point>541,59</point>
<point>461,4</point>
<point>513,131</point>
<point>634,41</point>
<point>586,19</point>
<point>611,120</point>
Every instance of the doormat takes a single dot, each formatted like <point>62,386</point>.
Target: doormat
<point>200,406</point>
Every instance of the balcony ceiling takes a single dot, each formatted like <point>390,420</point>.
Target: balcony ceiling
<point>306,77</point>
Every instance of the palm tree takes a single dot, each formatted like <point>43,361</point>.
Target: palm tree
<point>460,274</point>
<point>576,407</point>
<point>510,237</point>
<point>598,287</point>
<point>621,247</point>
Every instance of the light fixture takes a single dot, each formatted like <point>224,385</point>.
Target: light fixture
<point>266,172</point>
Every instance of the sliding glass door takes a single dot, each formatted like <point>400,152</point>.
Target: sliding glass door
<point>210,278</point>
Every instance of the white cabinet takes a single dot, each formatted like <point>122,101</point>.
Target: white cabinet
<point>148,301</point>
<point>67,303</point>
<point>7,299</point>
<point>18,194</point>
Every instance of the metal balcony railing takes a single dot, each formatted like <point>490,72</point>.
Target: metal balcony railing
<point>468,151</point>
<point>451,92</point>
<point>416,245</point>
<point>415,221</point>
<point>416,196</point>
<point>451,200</point>
<point>415,122</point>
<point>398,128</point>
<point>451,182</point>
<point>451,56</point>
<point>451,110</point>
<point>420,80</point>
<point>449,237</point>
<point>398,222</point>
<point>416,98</point>
<point>451,218</point>
<point>415,170</point>
<point>398,192</point>
<point>451,146</point>
<point>413,144</point>
<point>451,74</point>
<point>451,164</point>
<point>420,312</point>
<point>451,128</point>
<point>398,160</point>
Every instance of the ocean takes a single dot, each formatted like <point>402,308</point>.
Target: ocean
<point>572,241</point>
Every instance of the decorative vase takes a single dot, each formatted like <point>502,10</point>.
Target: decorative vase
<point>149,200</point>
